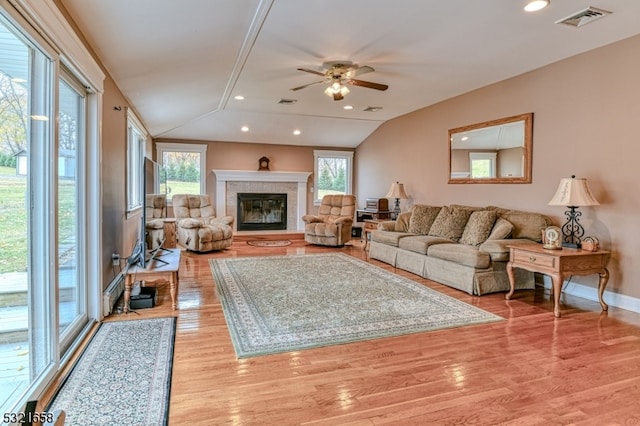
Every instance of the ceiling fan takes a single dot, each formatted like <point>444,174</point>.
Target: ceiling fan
<point>338,74</point>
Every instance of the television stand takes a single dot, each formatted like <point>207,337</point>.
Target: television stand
<point>166,269</point>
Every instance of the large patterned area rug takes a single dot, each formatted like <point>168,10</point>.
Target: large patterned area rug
<point>122,377</point>
<point>284,303</point>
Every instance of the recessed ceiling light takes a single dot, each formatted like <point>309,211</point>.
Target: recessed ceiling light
<point>296,132</point>
<point>348,107</point>
<point>244,128</point>
<point>535,5</point>
<point>238,97</point>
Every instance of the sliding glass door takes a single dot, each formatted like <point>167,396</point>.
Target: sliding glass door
<point>72,294</point>
<point>43,285</point>
<point>25,240</point>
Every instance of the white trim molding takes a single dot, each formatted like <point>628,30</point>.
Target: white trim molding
<point>617,300</point>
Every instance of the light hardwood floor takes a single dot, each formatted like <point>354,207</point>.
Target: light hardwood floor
<point>532,368</point>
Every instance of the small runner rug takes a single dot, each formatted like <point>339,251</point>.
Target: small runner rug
<point>269,243</point>
<point>277,304</point>
<point>122,377</point>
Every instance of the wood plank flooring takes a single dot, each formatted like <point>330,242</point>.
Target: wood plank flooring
<point>532,368</point>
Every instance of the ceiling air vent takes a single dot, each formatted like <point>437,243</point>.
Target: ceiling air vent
<point>372,109</point>
<point>287,101</point>
<point>584,17</point>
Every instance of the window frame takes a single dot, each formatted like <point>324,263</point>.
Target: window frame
<point>136,141</point>
<point>491,156</point>
<point>42,25</point>
<point>162,147</point>
<point>321,153</point>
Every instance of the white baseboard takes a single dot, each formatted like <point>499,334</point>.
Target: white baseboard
<point>591,293</point>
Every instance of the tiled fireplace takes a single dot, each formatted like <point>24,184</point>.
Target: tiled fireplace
<point>229,183</point>
<point>261,212</point>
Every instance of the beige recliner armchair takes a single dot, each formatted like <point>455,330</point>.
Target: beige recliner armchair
<point>155,211</point>
<point>197,226</point>
<point>332,225</point>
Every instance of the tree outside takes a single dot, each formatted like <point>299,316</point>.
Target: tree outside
<point>332,177</point>
<point>183,172</point>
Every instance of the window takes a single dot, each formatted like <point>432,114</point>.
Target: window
<point>135,153</point>
<point>482,164</point>
<point>49,187</point>
<point>333,173</point>
<point>185,165</point>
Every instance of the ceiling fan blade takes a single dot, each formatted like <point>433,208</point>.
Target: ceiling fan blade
<point>367,84</point>
<point>306,85</point>
<point>312,71</point>
<point>360,70</point>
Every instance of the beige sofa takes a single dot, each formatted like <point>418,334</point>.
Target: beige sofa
<point>460,246</point>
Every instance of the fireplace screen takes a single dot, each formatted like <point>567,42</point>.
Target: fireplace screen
<point>262,212</point>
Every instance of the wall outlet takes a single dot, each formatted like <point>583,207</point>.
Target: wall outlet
<point>115,259</point>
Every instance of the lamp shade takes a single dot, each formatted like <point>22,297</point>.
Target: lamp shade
<point>573,192</point>
<point>397,191</point>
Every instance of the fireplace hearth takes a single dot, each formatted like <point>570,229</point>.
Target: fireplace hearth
<point>261,212</point>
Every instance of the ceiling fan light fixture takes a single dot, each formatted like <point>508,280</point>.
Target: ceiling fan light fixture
<point>336,91</point>
<point>535,5</point>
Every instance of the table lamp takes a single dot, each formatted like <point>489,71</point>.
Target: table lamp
<point>573,193</point>
<point>396,191</point>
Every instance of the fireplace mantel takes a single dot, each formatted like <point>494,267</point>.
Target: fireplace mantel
<point>224,176</point>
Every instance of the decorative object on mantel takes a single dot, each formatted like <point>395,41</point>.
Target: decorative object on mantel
<point>396,191</point>
<point>263,164</point>
<point>573,193</point>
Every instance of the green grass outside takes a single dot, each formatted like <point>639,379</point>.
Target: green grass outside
<point>13,219</point>
<point>176,187</point>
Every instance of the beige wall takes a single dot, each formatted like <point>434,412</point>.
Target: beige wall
<point>585,111</point>
<point>244,156</point>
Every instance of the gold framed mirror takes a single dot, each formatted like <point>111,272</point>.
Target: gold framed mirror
<point>496,151</point>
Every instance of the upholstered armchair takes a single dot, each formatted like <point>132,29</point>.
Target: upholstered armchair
<point>155,211</point>
<point>197,226</point>
<point>332,225</point>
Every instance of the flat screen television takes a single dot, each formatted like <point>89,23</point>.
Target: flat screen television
<point>153,180</point>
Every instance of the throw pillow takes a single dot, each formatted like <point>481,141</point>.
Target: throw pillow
<point>402,222</point>
<point>422,218</point>
<point>501,229</point>
<point>527,225</point>
<point>478,227</point>
<point>450,223</point>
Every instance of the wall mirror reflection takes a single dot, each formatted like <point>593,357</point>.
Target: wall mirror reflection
<point>496,151</point>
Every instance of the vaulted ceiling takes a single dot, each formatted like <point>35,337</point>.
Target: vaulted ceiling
<point>181,63</point>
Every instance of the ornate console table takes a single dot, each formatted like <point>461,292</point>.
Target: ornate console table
<point>559,265</point>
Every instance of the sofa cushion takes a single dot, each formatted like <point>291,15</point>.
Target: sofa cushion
<point>498,250</point>
<point>501,229</point>
<point>390,238</point>
<point>420,243</point>
<point>450,223</point>
<point>460,253</point>
<point>527,225</point>
<point>422,218</point>
<point>478,227</point>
